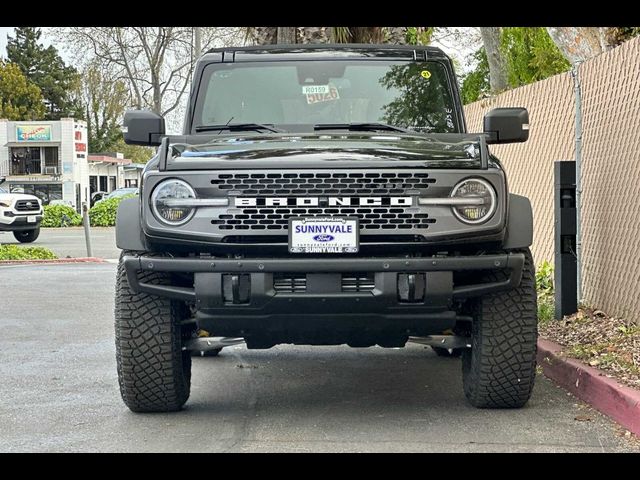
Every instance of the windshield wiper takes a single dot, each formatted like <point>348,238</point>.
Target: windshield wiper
<point>364,126</point>
<point>238,127</point>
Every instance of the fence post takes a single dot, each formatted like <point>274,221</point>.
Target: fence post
<point>87,228</point>
<point>575,73</point>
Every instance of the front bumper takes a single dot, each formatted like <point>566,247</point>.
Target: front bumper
<point>239,298</point>
<point>19,223</point>
<point>207,290</point>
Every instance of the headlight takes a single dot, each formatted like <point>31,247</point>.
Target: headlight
<point>481,200</point>
<point>165,202</point>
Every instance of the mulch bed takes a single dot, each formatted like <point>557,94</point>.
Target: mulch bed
<point>607,343</point>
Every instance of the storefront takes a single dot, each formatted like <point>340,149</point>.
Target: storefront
<point>46,158</point>
<point>110,171</point>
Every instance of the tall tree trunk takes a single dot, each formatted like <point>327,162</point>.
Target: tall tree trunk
<point>396,35</point>
<point>264,35</point>
<point>497,64</point>
<point>286,35</point>
<point>578,44</point>
<point>314,34</point>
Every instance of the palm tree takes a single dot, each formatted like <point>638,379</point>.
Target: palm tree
<point>271,35</point>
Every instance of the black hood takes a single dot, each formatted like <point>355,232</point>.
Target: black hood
<point>391,149</point>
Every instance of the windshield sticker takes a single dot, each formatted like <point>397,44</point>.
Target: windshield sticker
<point>425,74</point>
<point>311,89</point>
<point>330,96</point>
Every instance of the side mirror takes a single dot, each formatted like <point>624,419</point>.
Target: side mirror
<point>507,125</point>
<point>143,127</point>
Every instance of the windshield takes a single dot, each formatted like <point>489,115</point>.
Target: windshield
<point>2,190</point>
<point>402,94</point>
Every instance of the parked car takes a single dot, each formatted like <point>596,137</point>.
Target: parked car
<point>120,192</point>
<point>339,200</point>
<point>21,214</point>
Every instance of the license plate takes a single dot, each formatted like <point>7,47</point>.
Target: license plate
<point>323,235</point>
<point>31,219</point>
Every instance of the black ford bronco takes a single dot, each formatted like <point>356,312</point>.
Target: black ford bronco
<point>325,195</point>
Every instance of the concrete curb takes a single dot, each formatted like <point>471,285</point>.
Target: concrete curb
<point>57,260</point>
<point>589,384</point>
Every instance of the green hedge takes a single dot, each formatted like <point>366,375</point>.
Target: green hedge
<point>60,216</point>
<point>103,214</point>
<point>14,252</point>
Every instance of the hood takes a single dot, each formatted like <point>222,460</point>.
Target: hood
<point>328,150</point>
<point>13,197</point>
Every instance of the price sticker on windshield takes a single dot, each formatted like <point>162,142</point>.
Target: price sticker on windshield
<point>315,89</point>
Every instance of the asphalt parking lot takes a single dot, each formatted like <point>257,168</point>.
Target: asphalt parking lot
<point>60,392</point>
<point>70,241</point>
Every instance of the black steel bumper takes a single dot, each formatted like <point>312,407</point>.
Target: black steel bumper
<point>207,289</point>
<point>239,297</point>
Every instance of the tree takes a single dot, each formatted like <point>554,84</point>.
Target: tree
<point>20,99</point>
<point>155,63</point>
<point>475,84</point>
<point>491,39</point>
<point>531,55</point>
<point>106,99</point>
<point>58,82</point>
<point>394,35</point>
<point>135,153</point>
<point>578,44</point>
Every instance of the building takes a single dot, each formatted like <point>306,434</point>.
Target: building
<point>49,159</point>
<point>46,158</point>
<point>110,171</point>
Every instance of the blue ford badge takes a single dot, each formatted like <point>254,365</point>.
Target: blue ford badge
<point>323,237</point>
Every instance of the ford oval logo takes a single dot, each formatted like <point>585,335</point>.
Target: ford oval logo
<point>323,237</point>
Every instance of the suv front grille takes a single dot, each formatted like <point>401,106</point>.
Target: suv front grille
<point>322,183</point>
<point>27,206</point>
<point>374,218</point>
<point>297,283</point>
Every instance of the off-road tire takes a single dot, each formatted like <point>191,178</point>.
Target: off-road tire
<point>153,372</point>
<point>444,352</point>
<point>27,236</point>
<point>499,370</point>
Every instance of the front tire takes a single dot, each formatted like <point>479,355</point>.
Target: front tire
<point>499,370</point>
<point>154,372</point>
<point>27,236</point>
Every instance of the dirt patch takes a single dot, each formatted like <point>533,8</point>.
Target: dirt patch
<point>607,343</point>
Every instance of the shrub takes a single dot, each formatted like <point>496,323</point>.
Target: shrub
<point>544,285</point>
<point>544,278</point>
<point>14,252</point>
<point>103,214</point>
<point>60,216</point>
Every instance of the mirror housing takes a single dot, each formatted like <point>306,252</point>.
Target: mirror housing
<point>143,127</point>
<point>507,125</point>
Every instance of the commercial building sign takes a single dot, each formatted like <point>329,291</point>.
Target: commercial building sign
<point>33,133</point>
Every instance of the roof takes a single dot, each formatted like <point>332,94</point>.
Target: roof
<point>332,50</point>
<point>107,159</point>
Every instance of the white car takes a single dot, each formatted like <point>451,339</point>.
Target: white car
<point>20,214</point>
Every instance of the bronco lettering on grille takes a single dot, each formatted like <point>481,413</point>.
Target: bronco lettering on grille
<point>316,201</point>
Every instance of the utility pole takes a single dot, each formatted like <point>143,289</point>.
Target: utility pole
<point>197,40</point>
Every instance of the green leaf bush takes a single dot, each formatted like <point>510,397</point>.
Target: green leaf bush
<point>14,252</point>
<point>60,216</point>
<point>103,214</point>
